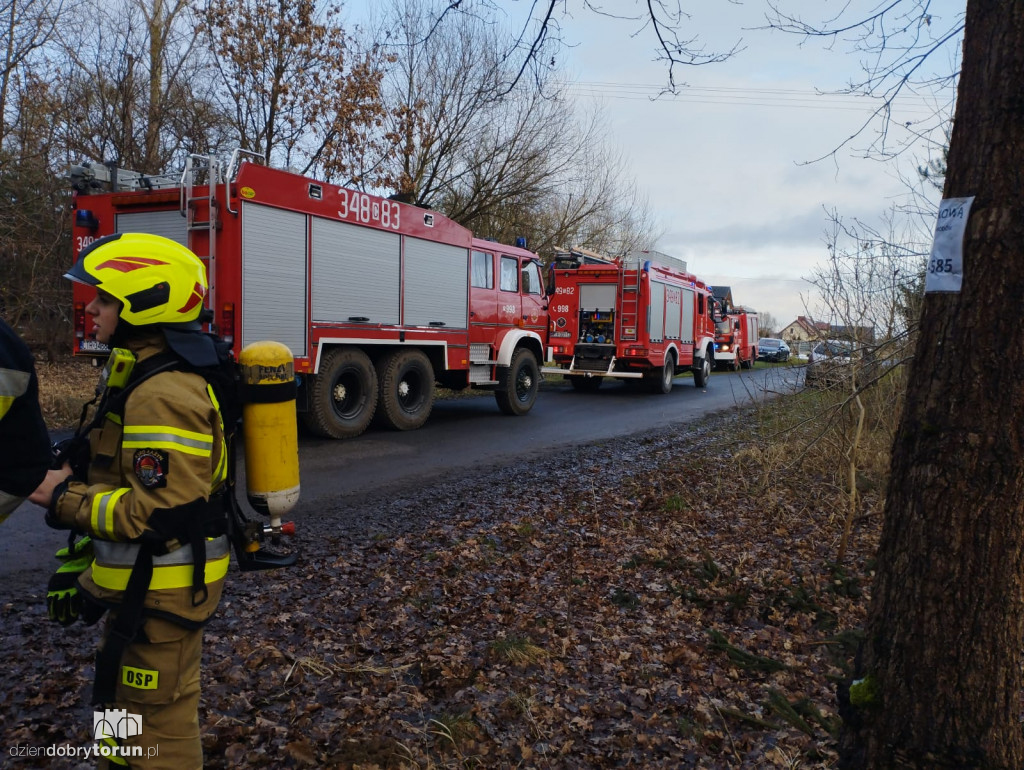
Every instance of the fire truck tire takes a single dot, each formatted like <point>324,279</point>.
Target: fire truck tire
<point>518,384</point>
<point>585,384</point>
<point>702,373</point>
<point>406,389</point>
<point>343,396</point>
<point>665,375</point>
<point>748,363</point>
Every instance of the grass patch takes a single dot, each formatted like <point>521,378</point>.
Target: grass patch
<point>518,650</point>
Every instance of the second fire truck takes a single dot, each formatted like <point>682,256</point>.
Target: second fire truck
<point>639,317</point>
<point>377,300</point>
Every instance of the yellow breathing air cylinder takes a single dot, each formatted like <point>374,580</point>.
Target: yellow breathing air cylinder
<point>269,429</point>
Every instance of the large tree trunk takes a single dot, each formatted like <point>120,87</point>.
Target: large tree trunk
<point>940,665</point>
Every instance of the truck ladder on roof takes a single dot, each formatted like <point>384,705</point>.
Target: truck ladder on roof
<point>89,178</point>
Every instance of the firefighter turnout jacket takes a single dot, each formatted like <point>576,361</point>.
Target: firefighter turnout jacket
<point>155,474</point>
<point>24,443</point>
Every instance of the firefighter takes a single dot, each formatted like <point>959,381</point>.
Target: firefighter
<point>24,443</point>
<point>148,494</point>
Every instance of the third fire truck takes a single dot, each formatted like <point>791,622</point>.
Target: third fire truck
<point>639,317</point>
<point>377,300</point>
<point>736,336</point>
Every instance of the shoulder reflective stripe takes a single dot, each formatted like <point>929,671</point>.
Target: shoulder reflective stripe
<point>164,437</point>
<point>13,383</point>
<point>175,576</point>
<point>220,473</point>
<point>102,519</point>
<point>123,554</point>
<point>213,399</point>
<point>8,504</point>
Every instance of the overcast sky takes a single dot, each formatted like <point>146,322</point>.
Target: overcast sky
<point>724,163</point>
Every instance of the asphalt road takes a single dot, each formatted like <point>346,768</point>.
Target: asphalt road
<point>463,435</point>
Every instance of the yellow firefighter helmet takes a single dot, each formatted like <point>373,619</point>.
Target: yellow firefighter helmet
<point>157,280</point>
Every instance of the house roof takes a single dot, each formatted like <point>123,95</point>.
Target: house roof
<point>809,326</point>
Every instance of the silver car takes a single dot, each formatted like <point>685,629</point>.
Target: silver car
<point>833,362</point>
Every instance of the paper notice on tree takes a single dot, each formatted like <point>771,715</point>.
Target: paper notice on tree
<point>946,263</point>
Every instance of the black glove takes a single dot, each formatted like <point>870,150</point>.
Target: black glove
<point>63,603</point>
<point>73,451</point>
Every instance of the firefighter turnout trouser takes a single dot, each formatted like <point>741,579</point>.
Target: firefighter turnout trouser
<point>158,680</point>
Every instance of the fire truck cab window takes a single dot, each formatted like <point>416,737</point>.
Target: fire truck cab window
<point>482,270</point>
<point>700,304</point>
<point>509,274</point>
<point>531,278</point>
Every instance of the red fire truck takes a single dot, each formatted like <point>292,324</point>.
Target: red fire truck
<point>736,336</point>
<point>377,300</point>
<point>639,317</point>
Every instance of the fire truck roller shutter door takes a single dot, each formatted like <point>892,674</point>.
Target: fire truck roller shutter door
<point>406,388</point>
<point>274,276</point>
<point>169,224</point>
<point>436,284</point>
<point>656,321</point>
<point>342,394</point>
<point>356,273</point>
<point>689,300</point>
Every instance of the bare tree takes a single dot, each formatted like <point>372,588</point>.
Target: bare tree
<point>27,25</point>
<point>505,162</point>
<point>533,52</point>
<point>34,225</point>
<point>136,88</point>
<point>300,93</point>
<point>767,323</point>
<point>904,47</point>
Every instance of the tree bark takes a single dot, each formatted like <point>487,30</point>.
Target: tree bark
<point>939,671</point>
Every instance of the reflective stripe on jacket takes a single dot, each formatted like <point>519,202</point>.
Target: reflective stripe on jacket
<point>114,562</point>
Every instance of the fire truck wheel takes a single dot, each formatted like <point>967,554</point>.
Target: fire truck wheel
<point>343,396</point>
<point>665,375</point>
<point>585,384</point>
<point>749,362</point>
<point>702,373</point>
<point>737,363</point>
<point>406,389</point>
<point>518,384</point>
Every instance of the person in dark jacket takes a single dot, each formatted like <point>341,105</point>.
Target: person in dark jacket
<point>25,453</point>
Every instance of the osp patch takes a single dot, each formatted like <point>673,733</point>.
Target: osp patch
<point>151,467</point>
